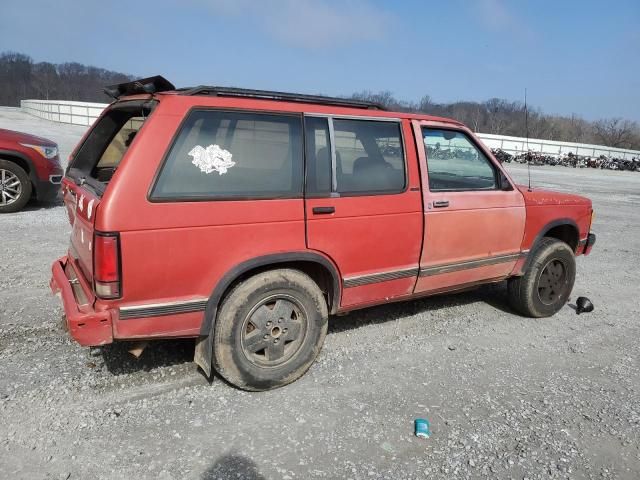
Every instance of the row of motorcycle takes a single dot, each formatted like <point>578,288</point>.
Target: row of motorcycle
<point>569,160</point>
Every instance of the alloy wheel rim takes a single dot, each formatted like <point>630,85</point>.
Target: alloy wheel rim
<point>552,283</point>
<point>273,331</point>
<point>10,187</point>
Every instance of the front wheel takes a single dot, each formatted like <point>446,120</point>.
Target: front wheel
<point>269,330</point>
<point>546,285</point>
<point>15,187</point>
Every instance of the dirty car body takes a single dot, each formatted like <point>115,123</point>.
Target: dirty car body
<point>243,218</point>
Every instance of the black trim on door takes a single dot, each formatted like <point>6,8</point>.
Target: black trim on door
<point>379,277</point>
<point>483,262</point>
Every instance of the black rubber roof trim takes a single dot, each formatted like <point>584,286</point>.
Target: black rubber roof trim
<point>280,96</point>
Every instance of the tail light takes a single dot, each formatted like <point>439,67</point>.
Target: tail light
<point>106,265</point>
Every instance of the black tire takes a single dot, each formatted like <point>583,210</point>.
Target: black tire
<point>8,205</point>
<point>283,311</point>
<point>546,285</point>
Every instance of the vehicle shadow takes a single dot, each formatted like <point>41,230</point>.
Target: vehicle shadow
<point>494,295</point>
<point>158,353</point>
<point>233,466</point>
<point>163,353</point>
<point>37,205</point>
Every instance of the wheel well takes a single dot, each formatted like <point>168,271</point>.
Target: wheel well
<point>18,161</point>
<point>566,233</point>
<point>318,273</point>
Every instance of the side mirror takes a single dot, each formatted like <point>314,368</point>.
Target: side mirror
<point>505,185</point>
<point>449,134</point>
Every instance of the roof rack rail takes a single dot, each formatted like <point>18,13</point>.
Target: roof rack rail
<point>285,96</point>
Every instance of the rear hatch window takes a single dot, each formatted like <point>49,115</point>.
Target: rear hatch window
<point>100,154</point>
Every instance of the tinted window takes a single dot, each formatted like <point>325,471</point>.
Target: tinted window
<point>455,163</point>
<point>233,154</point>
<point>369,156</point>
<point>318,152</point>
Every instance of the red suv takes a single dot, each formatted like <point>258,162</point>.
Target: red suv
<point>29,167</point>
<point>243,218</point>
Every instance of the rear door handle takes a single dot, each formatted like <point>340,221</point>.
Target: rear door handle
<point>323,210</point>
<point>440,203</point>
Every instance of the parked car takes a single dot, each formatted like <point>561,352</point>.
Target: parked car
<point>244,218</point>
<point>29,167</point>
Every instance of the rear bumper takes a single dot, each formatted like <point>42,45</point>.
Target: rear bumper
<point>86,326</point>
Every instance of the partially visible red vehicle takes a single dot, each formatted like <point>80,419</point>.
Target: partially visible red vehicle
<point>29,167</point>
<point>243,218</point>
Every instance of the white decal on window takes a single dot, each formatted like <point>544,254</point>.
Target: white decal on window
<point>81,203</point>
<point>211,159</point>
<point>89,209</point>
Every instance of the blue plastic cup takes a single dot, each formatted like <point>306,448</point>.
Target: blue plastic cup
<point>422,428</point>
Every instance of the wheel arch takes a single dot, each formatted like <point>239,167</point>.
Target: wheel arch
<point>19,159</point>
<point>23,162</point>
<point>563,229</point>
<point>320,268</point>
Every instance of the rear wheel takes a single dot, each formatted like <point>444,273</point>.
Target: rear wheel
<point>15,187</point>
<point>269,330</point>
<point>546,285</point>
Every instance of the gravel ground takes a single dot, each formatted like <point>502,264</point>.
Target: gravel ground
<point>507,397</point>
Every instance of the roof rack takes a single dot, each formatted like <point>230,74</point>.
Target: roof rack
<point>285,96</point>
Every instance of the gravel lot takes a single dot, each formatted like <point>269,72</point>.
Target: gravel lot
<point>507,397</point>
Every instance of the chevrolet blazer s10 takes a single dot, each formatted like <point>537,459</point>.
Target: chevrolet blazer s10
<point>244,218</point>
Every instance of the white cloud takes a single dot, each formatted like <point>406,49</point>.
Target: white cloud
<point>310,23</point>
<point>495,15</point>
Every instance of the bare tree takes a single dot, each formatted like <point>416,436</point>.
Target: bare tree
<point>21,78</point>
<point>616,132</point>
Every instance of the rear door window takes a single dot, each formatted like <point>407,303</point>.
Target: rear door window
<point>225,155</point>
<point>369,156</point>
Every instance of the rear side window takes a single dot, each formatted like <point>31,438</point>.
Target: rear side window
<point>454,163</point>
<point>369,156</point>
<point>223,154</point>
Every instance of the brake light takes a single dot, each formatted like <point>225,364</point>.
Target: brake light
<point>106,265</point>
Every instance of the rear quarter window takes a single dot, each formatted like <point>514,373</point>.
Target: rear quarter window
<point>226,155</point>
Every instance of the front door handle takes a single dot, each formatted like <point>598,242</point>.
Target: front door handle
<point>440,203</point>
<point>323,210</point>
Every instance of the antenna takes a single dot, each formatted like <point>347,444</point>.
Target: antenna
<point>526,127</point>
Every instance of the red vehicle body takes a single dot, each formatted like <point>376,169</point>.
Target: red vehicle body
<point>29,167</point>
<point>144,268</point>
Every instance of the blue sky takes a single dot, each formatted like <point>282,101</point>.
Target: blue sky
<point>573,56</point>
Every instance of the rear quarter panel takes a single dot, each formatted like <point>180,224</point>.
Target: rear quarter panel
<point>177,251</point>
